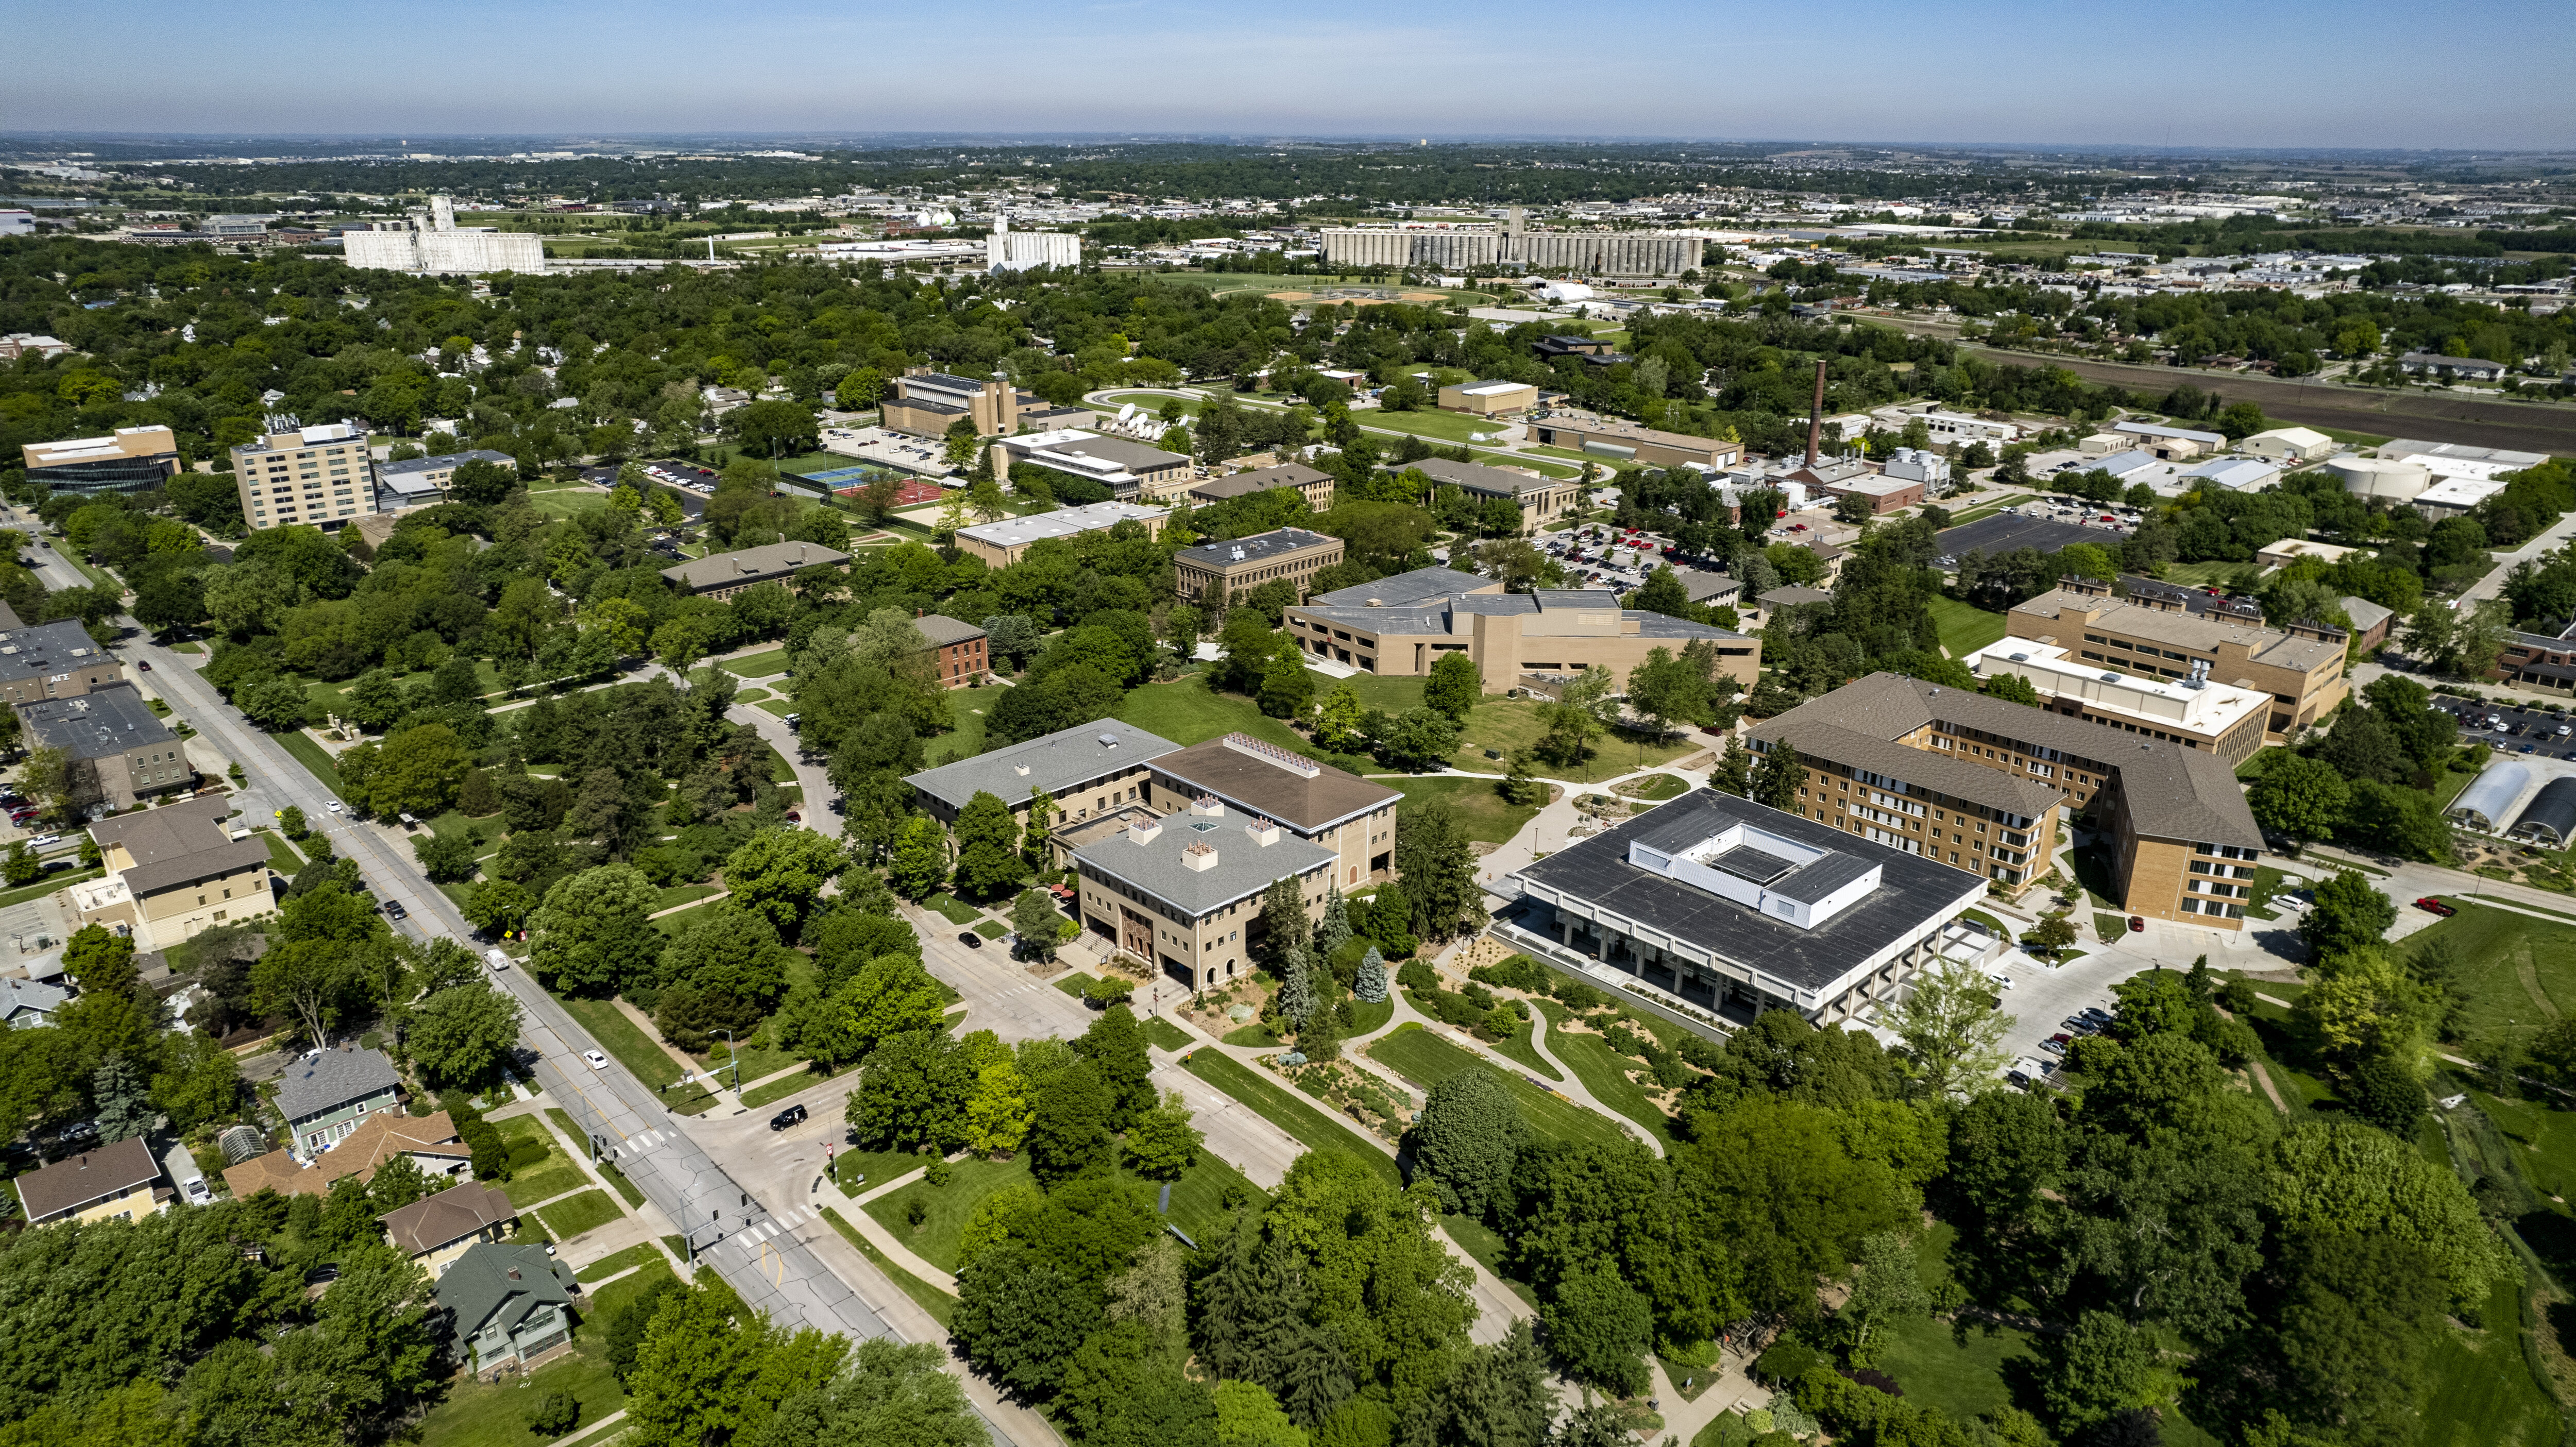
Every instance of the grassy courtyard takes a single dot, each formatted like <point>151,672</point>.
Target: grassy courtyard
<point>1964,629</point>
<point>1426,1059</point>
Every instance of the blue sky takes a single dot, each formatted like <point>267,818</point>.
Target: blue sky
<point>2371,73</point>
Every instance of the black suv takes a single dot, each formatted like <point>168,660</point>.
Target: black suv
<point>785,1118</point>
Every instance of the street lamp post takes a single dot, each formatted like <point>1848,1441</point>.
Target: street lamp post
<point>735,1053</point>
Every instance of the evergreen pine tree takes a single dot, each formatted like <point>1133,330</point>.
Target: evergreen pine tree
<point>1296,986</point>
<point>124,1106</point>
<point>1335,931</point>
<point>1734,773</point>
<point>1371,984</point>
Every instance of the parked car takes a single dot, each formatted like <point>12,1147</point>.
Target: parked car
<point>792,1115</point>
<point>970,939</point>
<point>2054,1044</point>
<point>2430,905</point>
<point>497,959</point>
<point>2096,1014</point>
<point>44,841</point>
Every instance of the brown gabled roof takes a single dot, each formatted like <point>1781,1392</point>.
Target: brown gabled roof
<point>378,1139</point>
<point>1817,738</point>
<point>1249,781</point>
<point>446,1218</point>
<point>76,1181</point>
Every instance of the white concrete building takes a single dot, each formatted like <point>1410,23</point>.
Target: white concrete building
<point>1008,250</point>
<point>431,243</point>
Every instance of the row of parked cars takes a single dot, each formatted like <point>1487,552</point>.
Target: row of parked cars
<point>2546,734</point>
<point>2027,1073</point>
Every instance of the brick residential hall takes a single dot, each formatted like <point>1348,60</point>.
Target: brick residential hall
<point>1540,499</point>
<point>2300,666</point>
<point>1884,757</point>
<point>1312,484</point>
<point>1244,564</point>
<point>318,476</point>
<point>1088,770</point>
<point>957,648</point>
<point>1002,543</point>
<point>1183,893</point>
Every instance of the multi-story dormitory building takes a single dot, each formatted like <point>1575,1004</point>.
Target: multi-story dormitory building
<point>1885,758</point>
<point>2161,634</point>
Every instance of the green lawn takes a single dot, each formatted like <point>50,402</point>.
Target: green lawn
<point>312,756</point>
<point>1964,629</point>
<point>939,1304</point>
<point>956,910</point>
<point>2480,1392</point>
<point>1503,725</point>
<point>281,855</point>
<point>1655,787</point>
<point>492,1414</point>
<point>965,736</point>
<point>552,1176</point>
<point>856,1171</point>
<point>620,1037</point>
<point>2515,968</point>
<point>1603,1071</point>
<point>1186,711</point>
<point>2200,575</point>
<point>1477,805</point>
<point>617,1261</point>
<point>948,1206</point>
<point>1518,1048</point>
<point>47,885</point>
<point>778,1090</point>
<point>680,894</point>
<point>757,665</point>
<point>586,1212</point>
<point>1275,1103</point>
<point>1159,1031</point>
<point>1198,1197</point>
<point>1426,1059</point>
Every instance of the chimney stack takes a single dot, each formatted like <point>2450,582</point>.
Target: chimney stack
<point>1816,416</point>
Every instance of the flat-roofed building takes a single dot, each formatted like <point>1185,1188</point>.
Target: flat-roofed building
<point>1000,544</point>
<point>2300,666</point>
<point>421,481</point>
<point>120,751</point>
<point>1735,908</point>
<point>1242,564</point>
<point>1183,893</point>
<point>1624,441</point>
<point>2179,840</point>
<point>2194,712</point>
<point>1352,816</point>
<point>173,873</point>
<point>117,1182</point>
<point>957,648</point>
<point>926,403</point>
<point>1405,624</point>
<point>1883,493</point>
<point>1129,469</point>
<point>130,459</point>
<point>1088,770</point>
<point>1488,399</point>
<point>1540,499</point>
<point>52,660</point>
<point>318,476</point>
<point>722,575</point>
<point>1312,484</point>
<point>2171,444</point>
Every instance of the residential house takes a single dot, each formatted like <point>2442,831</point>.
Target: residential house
<point>510,1307</point>
<point>115,1182</point>
<point>324,1096</point>
<point>435,1230</point>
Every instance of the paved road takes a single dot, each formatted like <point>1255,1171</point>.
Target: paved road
<point>758,1241</point>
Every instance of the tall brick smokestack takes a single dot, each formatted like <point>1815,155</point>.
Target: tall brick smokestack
<point>1816,417</point>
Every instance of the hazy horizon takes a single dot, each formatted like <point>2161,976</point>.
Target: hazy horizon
<point>2372,75</point>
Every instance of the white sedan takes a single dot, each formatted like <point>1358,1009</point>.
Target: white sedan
<point>597,1060</point>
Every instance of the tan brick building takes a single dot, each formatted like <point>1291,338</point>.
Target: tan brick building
<point>1540,499</point>
<point>52,660</point>
<point>2301,666</point>
<point>926,403</point>
<point>173,873</point>
<point>120,751</point>
<point>1000,544</point>
<point>2180,842</point>
<point>1242,564</point>
<point>1488,399</point>
<point>722,575</point>
<point>1312,484</point>
<point>1403,625</point>
<point>1352,816</point>
<point>1183,892</point>
<point>318,476</point>
<point>1616,440</point>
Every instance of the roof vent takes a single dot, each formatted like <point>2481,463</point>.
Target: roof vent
<point>1109,741</point>
<point>1199,856</point>
<point>1207,806</point>
<point>1020,769</point>
<point>1263,831</point>
<point>1145,831</point>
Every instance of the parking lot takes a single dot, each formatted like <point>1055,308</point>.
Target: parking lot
<point>2513,730</point>
<point>1609,557</point>
<point>2006,531</point>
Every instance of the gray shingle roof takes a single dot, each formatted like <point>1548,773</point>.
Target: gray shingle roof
<point>451,1215</point>
<point>17,995</point>
<point>1422,585</point>
<point>1054,763</point>
<point>1491,480</point>
<point>2170,792</point>
<point>1243,867</point>
<point>479,1285</point>
<point>334,1079</point>
<point>943,630</point>
<point>774,560</point>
